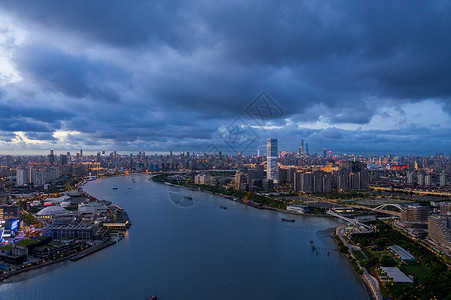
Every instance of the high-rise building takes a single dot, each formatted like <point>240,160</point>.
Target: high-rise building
<point>415,214</point>
<point>410,177</point>
<point>442,179</point>
<point>259,171</point>
<point>325,153</point>
<point>63,159</point>
<point>445,208</point>
<point>271,159</point>
<point>22,176</point>
<point>290,175</point>
<point>343,182</point>
<point>427,179</point>
<point>420,179</point>
<point>239,178</point>
<point>439,232</point>
<point>302,149</point>
<point>51,157</point>
<point>282,174</point>
<point>303,182</point>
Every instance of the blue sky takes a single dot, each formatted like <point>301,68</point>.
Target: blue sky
<point>354,77</point>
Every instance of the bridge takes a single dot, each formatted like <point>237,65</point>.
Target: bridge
<point>380,207</point>
<point>354,222</point>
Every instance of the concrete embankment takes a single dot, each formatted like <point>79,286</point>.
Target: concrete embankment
<point>91,250</point>
<point>72,257</point>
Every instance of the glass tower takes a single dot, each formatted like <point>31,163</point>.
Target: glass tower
<point>271,156</point>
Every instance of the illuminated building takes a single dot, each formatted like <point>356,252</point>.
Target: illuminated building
<point>439,232</point>
<point>271,157</point>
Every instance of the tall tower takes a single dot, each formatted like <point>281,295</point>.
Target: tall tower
<point>271,157</point>
<point>51,157</point>
<point>301,149</point>
<point>325,153</point>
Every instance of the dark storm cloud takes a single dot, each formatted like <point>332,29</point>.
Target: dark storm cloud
<point>28,117</point>
<point>166,71</point>
<point>71,75</point>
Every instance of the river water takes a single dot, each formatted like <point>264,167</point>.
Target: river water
<point>201,251</point>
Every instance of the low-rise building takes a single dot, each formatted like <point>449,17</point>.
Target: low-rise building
<point>343,209</point>
<point>402,254</point>
<point>51,212</point>
<point>92,208</point>
<point>9,211</point>
<point>297,208</point>
<point>76,232</point>
<point>396,275</point>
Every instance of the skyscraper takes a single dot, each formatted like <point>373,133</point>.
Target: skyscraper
<point>301,149</point>
<point>51,157</point>
<point>63,159</point>
<point>427,179</point>
<point>325,153</point>
<point>271,157</point>
<point>442,179</point>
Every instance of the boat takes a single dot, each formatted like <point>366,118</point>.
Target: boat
<point>153,297</point>
<point>190,198</point>
<point>223,207</point>
<point>287,220</point>
<point>311,235</point>
<point>114,188</point>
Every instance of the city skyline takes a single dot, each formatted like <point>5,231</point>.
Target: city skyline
<point>176,76</point>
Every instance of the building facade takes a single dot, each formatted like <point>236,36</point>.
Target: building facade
<point>271,157</point>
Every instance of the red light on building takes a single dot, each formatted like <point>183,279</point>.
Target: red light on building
<point>400,167</point>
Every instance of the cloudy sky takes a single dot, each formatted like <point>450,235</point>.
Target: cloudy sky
<point>351,76</point>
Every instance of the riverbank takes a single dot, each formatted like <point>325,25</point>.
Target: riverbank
<point>245,202</point>
<point>368,282</point>
<point>71,257</point>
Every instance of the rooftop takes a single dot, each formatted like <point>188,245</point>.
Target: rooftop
<point>396,274</point>
<point>51,211</point>
<point>68,227</point>
<point>27,242</point>
<point>403,254</point>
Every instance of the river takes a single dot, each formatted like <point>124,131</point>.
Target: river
<point>181,251</point>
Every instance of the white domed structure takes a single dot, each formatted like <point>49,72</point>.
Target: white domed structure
<point>52,211</point>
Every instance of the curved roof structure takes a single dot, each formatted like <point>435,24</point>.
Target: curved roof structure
<point>52,211</point>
